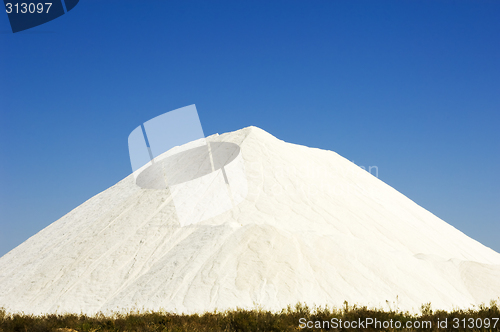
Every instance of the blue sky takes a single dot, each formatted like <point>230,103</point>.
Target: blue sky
<point>412,87</point>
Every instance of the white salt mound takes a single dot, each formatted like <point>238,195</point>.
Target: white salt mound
<point>314,228</point>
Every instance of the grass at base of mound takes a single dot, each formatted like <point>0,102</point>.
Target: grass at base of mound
<point>298,318</point>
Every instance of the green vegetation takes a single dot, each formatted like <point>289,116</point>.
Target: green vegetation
<point>290,319</point>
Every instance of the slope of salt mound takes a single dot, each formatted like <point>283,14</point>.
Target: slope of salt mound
<point>313,228</point>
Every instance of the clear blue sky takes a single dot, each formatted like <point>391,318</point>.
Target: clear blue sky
<point>412,87</point>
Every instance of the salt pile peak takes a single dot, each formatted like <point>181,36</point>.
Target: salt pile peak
<point>313,227</point>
